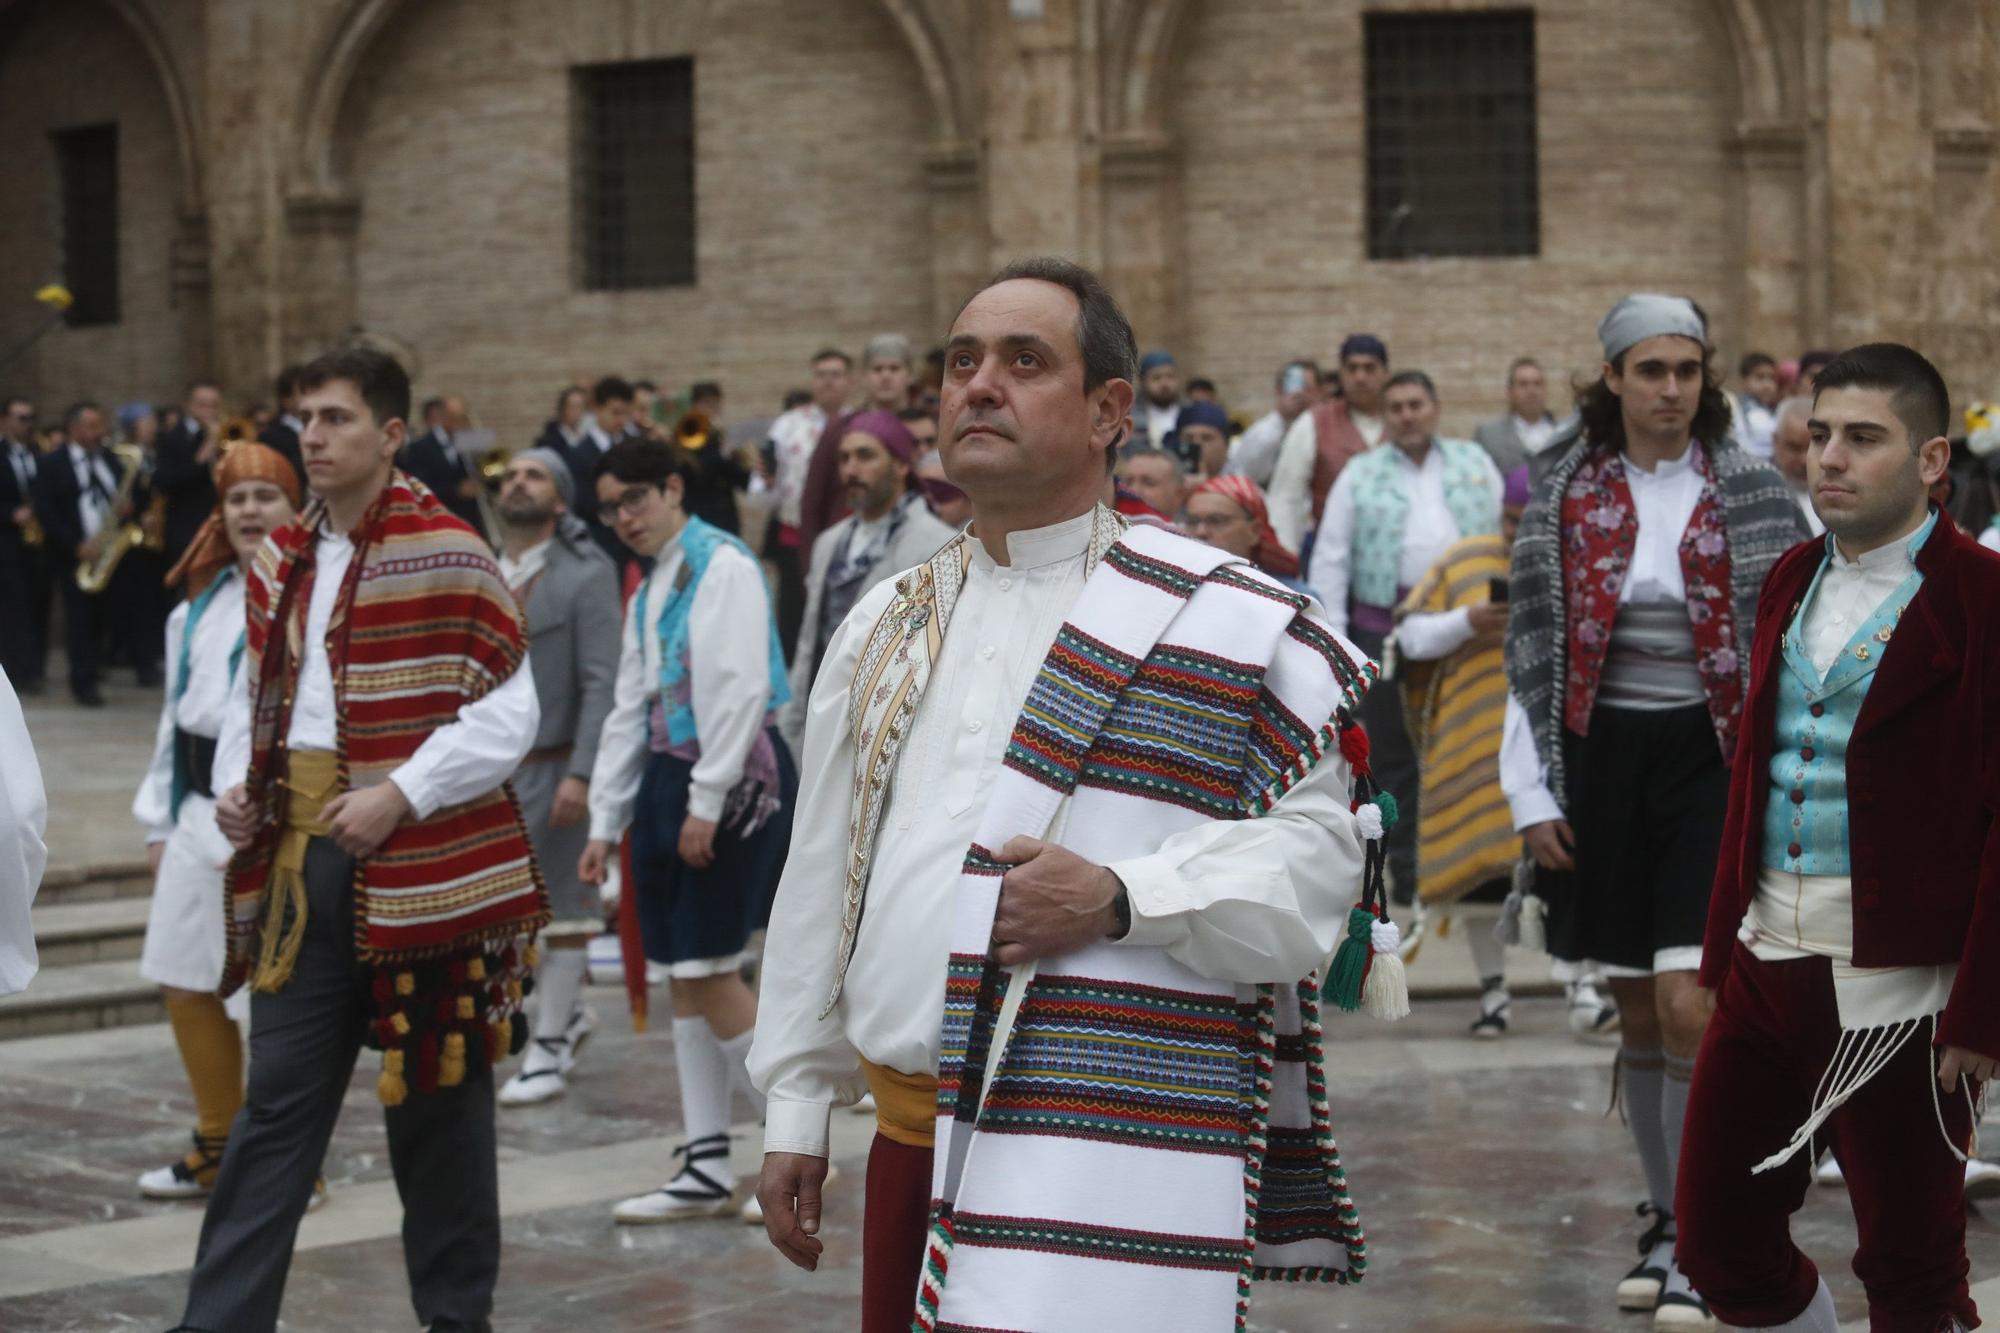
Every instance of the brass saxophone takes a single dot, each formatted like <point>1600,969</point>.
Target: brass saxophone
<point>117,536</point>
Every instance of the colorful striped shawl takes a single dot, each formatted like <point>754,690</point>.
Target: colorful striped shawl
<point>423,625</point>
<point>1149,1140</point>
<point>1455,707</point>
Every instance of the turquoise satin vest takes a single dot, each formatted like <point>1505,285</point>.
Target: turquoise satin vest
<point>1382,510</point>
<point>1805,812</point>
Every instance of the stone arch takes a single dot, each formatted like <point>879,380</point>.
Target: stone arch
<point>339,57</point>
<point>1147,45</point>
<point>144,26</point>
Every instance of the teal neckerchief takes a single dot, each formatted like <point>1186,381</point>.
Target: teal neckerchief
<point>698,542</point>
<point>181,784</point>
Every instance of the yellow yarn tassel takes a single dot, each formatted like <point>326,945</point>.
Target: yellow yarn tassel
<point>451,1064</point>
<point>498,1036</point>
<point>284,927</point>
<point>476,969</point>
<point>532,956</point>
<point>406,983</point>
<point>401,1022</point>
<point>465,1006</point>
<point>391,1088</point>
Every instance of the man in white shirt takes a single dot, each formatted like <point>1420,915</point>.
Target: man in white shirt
<point>1038,384</point>
<point>401,745</point>
<point>793,437</point>
<point>1323,439</point>
<point>1254,453</point>
<point>1526,428</point>
<point>1757,406</point>
<point>1388,518</point>
<point>1790,442</point>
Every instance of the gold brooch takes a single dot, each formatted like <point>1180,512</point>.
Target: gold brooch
<point>1862,652</point>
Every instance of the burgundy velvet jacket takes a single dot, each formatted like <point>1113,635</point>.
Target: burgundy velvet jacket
<point>1923,783</point>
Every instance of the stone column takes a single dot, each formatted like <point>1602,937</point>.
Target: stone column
<point>1038,170</point>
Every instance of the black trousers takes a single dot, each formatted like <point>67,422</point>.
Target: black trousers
<point>1394,760</point>
<point>24,610</point>
<point>303,1043</point>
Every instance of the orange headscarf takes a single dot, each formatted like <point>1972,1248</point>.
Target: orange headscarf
<point>210,552</point>
<point>1270,554</point>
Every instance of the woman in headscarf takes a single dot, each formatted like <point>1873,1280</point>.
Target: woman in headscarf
<point>1229,512</point>
<point>176,803</point>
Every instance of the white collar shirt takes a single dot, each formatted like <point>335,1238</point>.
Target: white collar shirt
<point>794,437</point>
<point>91,507</point>
<point>1663,502</point>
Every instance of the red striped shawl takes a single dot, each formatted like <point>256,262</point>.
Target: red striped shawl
<point>423,625</point>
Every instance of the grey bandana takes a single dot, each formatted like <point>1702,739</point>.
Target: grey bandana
<point>1648,315</point>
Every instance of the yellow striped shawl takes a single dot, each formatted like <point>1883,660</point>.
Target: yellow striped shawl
<point>1455,708</point>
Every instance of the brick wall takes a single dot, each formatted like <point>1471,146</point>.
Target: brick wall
<point>72,65</point>
<point>812,215</point>
<point>1637,192</point>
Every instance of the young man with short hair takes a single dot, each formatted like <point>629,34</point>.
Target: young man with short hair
<point>1254,453</point>
<point>1853,945</point>
<point>792,439</point>
<point>1756,407</point>
<point>1321,442</point>
<point>1634,589</point>
<point>383,888</point>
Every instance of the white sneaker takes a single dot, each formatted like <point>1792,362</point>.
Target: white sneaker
<point>1982,1179</point>
<point>1590,1014</point>
<point>319,1196</point>
<point>693,1193</point>
<point>1640,1288</point>
<point>1681,1306</point>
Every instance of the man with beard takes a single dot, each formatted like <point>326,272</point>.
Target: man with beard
<point>890,530</point>
<point>1321,441</point>
<point>568,590</point>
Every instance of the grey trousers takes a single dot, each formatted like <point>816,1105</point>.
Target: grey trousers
<point>303,1043</point>
<point>1394,760</point>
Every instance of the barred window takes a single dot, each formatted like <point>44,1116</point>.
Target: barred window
<point>87,165</point>
<point>1451,135</point>
<point>634,186</point>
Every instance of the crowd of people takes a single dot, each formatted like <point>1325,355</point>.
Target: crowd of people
<point>1222,690</point>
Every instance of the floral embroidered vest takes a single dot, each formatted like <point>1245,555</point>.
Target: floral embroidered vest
<point>1382,511</point>
<point>1600,527</point>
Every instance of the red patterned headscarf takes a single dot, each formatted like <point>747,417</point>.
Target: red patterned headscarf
<point>1269,554</point>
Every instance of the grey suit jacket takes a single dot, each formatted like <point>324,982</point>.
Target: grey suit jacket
<point>1502,442</point>
<point>916,541</point>
<point>574,629</point>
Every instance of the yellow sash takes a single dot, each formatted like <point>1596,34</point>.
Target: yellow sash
<point>905,1105</point>
<point>312,778</point>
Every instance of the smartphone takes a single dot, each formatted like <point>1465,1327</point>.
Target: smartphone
<point>1496,590</point>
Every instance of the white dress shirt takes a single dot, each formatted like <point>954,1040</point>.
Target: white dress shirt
<point>1663,501</point>
<point>1535,435</point>
<point>203,707</point>
<point>520,571</point>
<point>1159,422</point>
<point>1254,453</point>
<point>729,679</point>
<point>794,436</point>
<point>1229,899</point>
<point>466,757</point>
<point>23,854</point>
<point>92,509</point>
<point>1428,531</point>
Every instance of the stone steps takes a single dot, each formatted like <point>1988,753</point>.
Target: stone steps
<point>89,924</point>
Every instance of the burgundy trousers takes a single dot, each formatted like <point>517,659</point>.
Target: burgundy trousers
<point>1774,1031</point>
<point>894,1227</point>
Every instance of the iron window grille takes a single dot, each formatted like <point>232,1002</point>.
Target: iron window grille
<point>87,168</point>
<point>1452,166</point>
<point>634,187</point>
